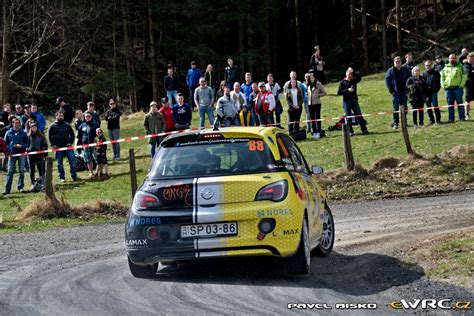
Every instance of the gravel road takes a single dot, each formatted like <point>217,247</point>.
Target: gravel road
<point>83,269</point>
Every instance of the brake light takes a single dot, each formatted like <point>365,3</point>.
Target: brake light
<point>276,191</point>
<point>216,135</point>
<point>145,200</point>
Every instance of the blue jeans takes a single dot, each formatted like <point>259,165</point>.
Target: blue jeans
<point>400,98</point>
<point>353,108</point>
<point>308,117</point>
<point>172,97</point>
<point>433,102</point>
<point>11,170</point>
<point>153,147</point>
<point>115,134</point>
<point>455,95</point>
<point>69,154</point>
<point>234,121</point>
<point>202,115</point>
<point>191,96</point>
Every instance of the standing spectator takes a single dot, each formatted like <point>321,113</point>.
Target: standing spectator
<point>395,80</point>
<point>182,113</point>
<point>154,123</point>
<point>66,108</point>
<point>231,73</point>
<point>85,136</point>
<point>211,79</point>
<point>204,99</point>
<point>293,76</point>
<point>416,87</point>
<point>252,100</point>
<point>275,89</point>
<point>350,101</point>
<point>469,69</point>
<point>264,105</point>
<point>304,86</point>
<point>463,56</point>
<point>439,65</point>
<point>239,98</point>
<point>317,64</point>
<point>433,85</point>
<point>294,99</point>
<point>18,111</point>
<point>37,142</point>
<point>220,92</point>
<point>112,116</point>
<point>7,110</point>
<point>17,143</point>
<point>315,91</point>
<point>39,117</point>
<point>79,119</point>
<point>192,80</point>
<point>101,170</point>
<point>246,87</point>
<point>167,113</point>
<point>453,80</point>
<point>26,116</point>
<point>95,115</point>
<point>226,109</point>
<point>171,83</point>
<point>409,63</point>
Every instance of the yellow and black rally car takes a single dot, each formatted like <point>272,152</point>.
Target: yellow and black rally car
<point>243,191</point>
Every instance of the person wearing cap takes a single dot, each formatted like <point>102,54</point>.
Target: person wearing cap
<point>192,80</point>
<point>231,73</point>
<point>204,99</point>
<point>439,63</point>
<point>154,123</point>
<point>453,80</point>
<point>264,105</point>
<point>167,112</point>
<point>171,84</point>
<point>64,107</point>
<point>17,143</point>
<point>469,69</point>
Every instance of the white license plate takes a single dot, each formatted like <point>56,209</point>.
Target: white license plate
<point>206,230</point>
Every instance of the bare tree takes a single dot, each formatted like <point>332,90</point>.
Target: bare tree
<point>365,41</point>
<point>154,67</point>
<point>399,27</point>
<point>6,17</point>
<point>298,39</point>
<point>384,33</point>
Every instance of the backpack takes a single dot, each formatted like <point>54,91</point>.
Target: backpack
<point>298,135</point>
<point>38,185</point>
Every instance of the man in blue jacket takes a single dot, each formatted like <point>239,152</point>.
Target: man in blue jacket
<point>395,80</point>
<point>17,143</point>
<point>86,135</point>
<point>41,121</point>
<point>192,80</point>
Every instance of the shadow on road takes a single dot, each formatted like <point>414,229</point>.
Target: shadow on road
<point>355,275</point>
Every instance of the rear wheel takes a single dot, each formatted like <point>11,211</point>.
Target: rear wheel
<point>142,272</point>
<point>300,263</point>
<point>327,237</point>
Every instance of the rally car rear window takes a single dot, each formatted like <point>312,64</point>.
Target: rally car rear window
<point>213,157</point>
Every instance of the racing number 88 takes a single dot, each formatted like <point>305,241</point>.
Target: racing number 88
<point>256,145</point>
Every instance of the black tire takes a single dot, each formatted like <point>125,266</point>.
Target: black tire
<point>300,263</point>
<point>327,236</point>
<point>142,272</point>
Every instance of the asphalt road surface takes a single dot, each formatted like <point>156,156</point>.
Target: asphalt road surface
<point>83,270</point>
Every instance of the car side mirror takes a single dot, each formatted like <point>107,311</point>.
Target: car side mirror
<point>317,169</point>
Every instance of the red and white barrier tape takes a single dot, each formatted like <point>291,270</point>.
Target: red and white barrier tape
<point>127,139</point>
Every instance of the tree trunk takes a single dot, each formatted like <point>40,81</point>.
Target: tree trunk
<point>399,27</point>
<point>241,45</point>
<point>353,29</point>
<point>314,13</point>
<point>275,23</point>
<point>417,22</point>
<point>298,40</point>
<point>5,52</point>
<point>154,67</point>
<point>128,57</point>
<point>365,40</point>
<point>384,34</point>
<point>115,92</point>
<point>266,49</point>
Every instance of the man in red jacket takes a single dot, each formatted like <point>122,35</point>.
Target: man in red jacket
<point>264,105</point>
<point>167,112</point>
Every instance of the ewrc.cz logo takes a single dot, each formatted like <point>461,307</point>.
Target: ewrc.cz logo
<point>431,303</point>
<point>336,306</point>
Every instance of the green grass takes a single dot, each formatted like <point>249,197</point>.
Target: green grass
<point>327,152</point>
<point>453,258</point>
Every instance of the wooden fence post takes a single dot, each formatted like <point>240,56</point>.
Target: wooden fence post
<point>48,180</point>
<point>406,136</point>
<point>133,171</point>
<point>350,165</point>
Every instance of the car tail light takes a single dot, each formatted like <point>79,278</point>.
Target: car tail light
<point>152,233</point>
<point>145,200</point>
<point>276,191</point>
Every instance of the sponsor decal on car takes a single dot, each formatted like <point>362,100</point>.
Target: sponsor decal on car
<point>277,212</point>
<point>136,243</point>
<point>135,221</point>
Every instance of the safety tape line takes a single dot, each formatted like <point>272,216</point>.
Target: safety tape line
<point>127,139</point>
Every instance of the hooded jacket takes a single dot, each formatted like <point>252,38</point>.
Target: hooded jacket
<point>453,76</point>
<point>14,137</point>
